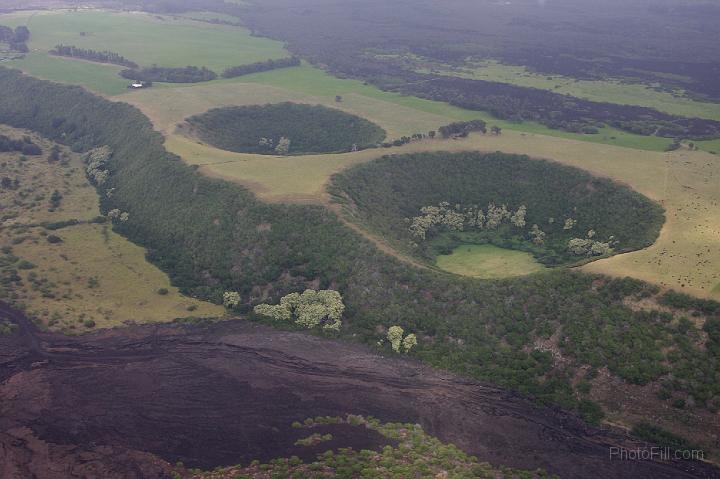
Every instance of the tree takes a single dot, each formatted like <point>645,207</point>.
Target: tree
<point>22,34</point>
<point>409,342</point>
<point>310,309</point>
<point>283,146</point>
<point>231,299</point>
<point>395,336</point>
<point>518,218</point>
<point>432,134</point>
<point>537,235</point>
<point>397,342</point>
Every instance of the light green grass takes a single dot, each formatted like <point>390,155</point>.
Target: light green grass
<point>611,91</point>
<point>97,77</point>
<point>712,145</point>
<point>148,39</point>
<point>488,261</point>
<point>144,39</point>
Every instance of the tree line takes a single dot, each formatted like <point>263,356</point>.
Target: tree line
<point>268,65</point>
<point>189,74</point>
<point>92,55</point>
<point>16,39</point>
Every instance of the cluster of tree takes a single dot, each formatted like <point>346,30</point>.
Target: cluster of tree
<point>116,214</point>
<point>459,218</point>
<point>398,340</point>
<point>310,309</point>
<point>444,217</point>
<point>16,39</point>
<point>24,145</point>
<point>189,74</point>
<point>589,246</point>
<point>285,128</point>
<point>96,164</point>
<point>268,65</point>
<point>387,195</point>
<point>208,235</point>
<point>461,129</point>
<point>92,55</point>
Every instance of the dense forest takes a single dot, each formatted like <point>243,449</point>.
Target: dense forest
<point>187,74</point>
<point>268,65</point>
<point>24,145</point>
<point>285,128</point>
<point>564,202</point>
<point>212,236</point>
<point>92,55</point>
<point>16,39</point>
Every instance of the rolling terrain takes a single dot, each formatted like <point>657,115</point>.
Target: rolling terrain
<point>555,362</point>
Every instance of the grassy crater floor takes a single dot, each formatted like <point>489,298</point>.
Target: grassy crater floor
<point>284,128</point>
<point>488,261</point>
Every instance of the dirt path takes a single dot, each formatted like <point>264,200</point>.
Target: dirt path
<point>119,403</point>
<point>376,240</point>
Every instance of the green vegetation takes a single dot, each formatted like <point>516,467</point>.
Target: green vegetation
<point>488,261</point>
<point>59,260</point>
<point>392,196</point>
<point>170,75</point>
<point>612,91</point>
<point>91,55</point>
<point>312,81</point>
<point>412,454</point>
<point>145,39</point>
<point>308,310</point>
<point>285,128</point>
<point>212,237</point>
<point>267,65</point>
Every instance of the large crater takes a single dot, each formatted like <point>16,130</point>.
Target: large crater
<point>284,129</point>
<point>463,212</point>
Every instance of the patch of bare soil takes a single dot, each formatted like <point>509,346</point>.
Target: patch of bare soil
<point>120,403</point>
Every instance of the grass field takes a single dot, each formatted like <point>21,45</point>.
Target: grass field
<point>93,277</point>
<point>687,183</point>
<point>145,39</point>
<point>488,261</point>
<point>611,91</point>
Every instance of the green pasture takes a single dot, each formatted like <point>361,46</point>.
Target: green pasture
<point>488,261</point>
<point>142,38</point>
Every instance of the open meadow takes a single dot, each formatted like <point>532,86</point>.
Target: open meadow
<point>146,39</point>
<point>78,275</point>
<point>488,261</point>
